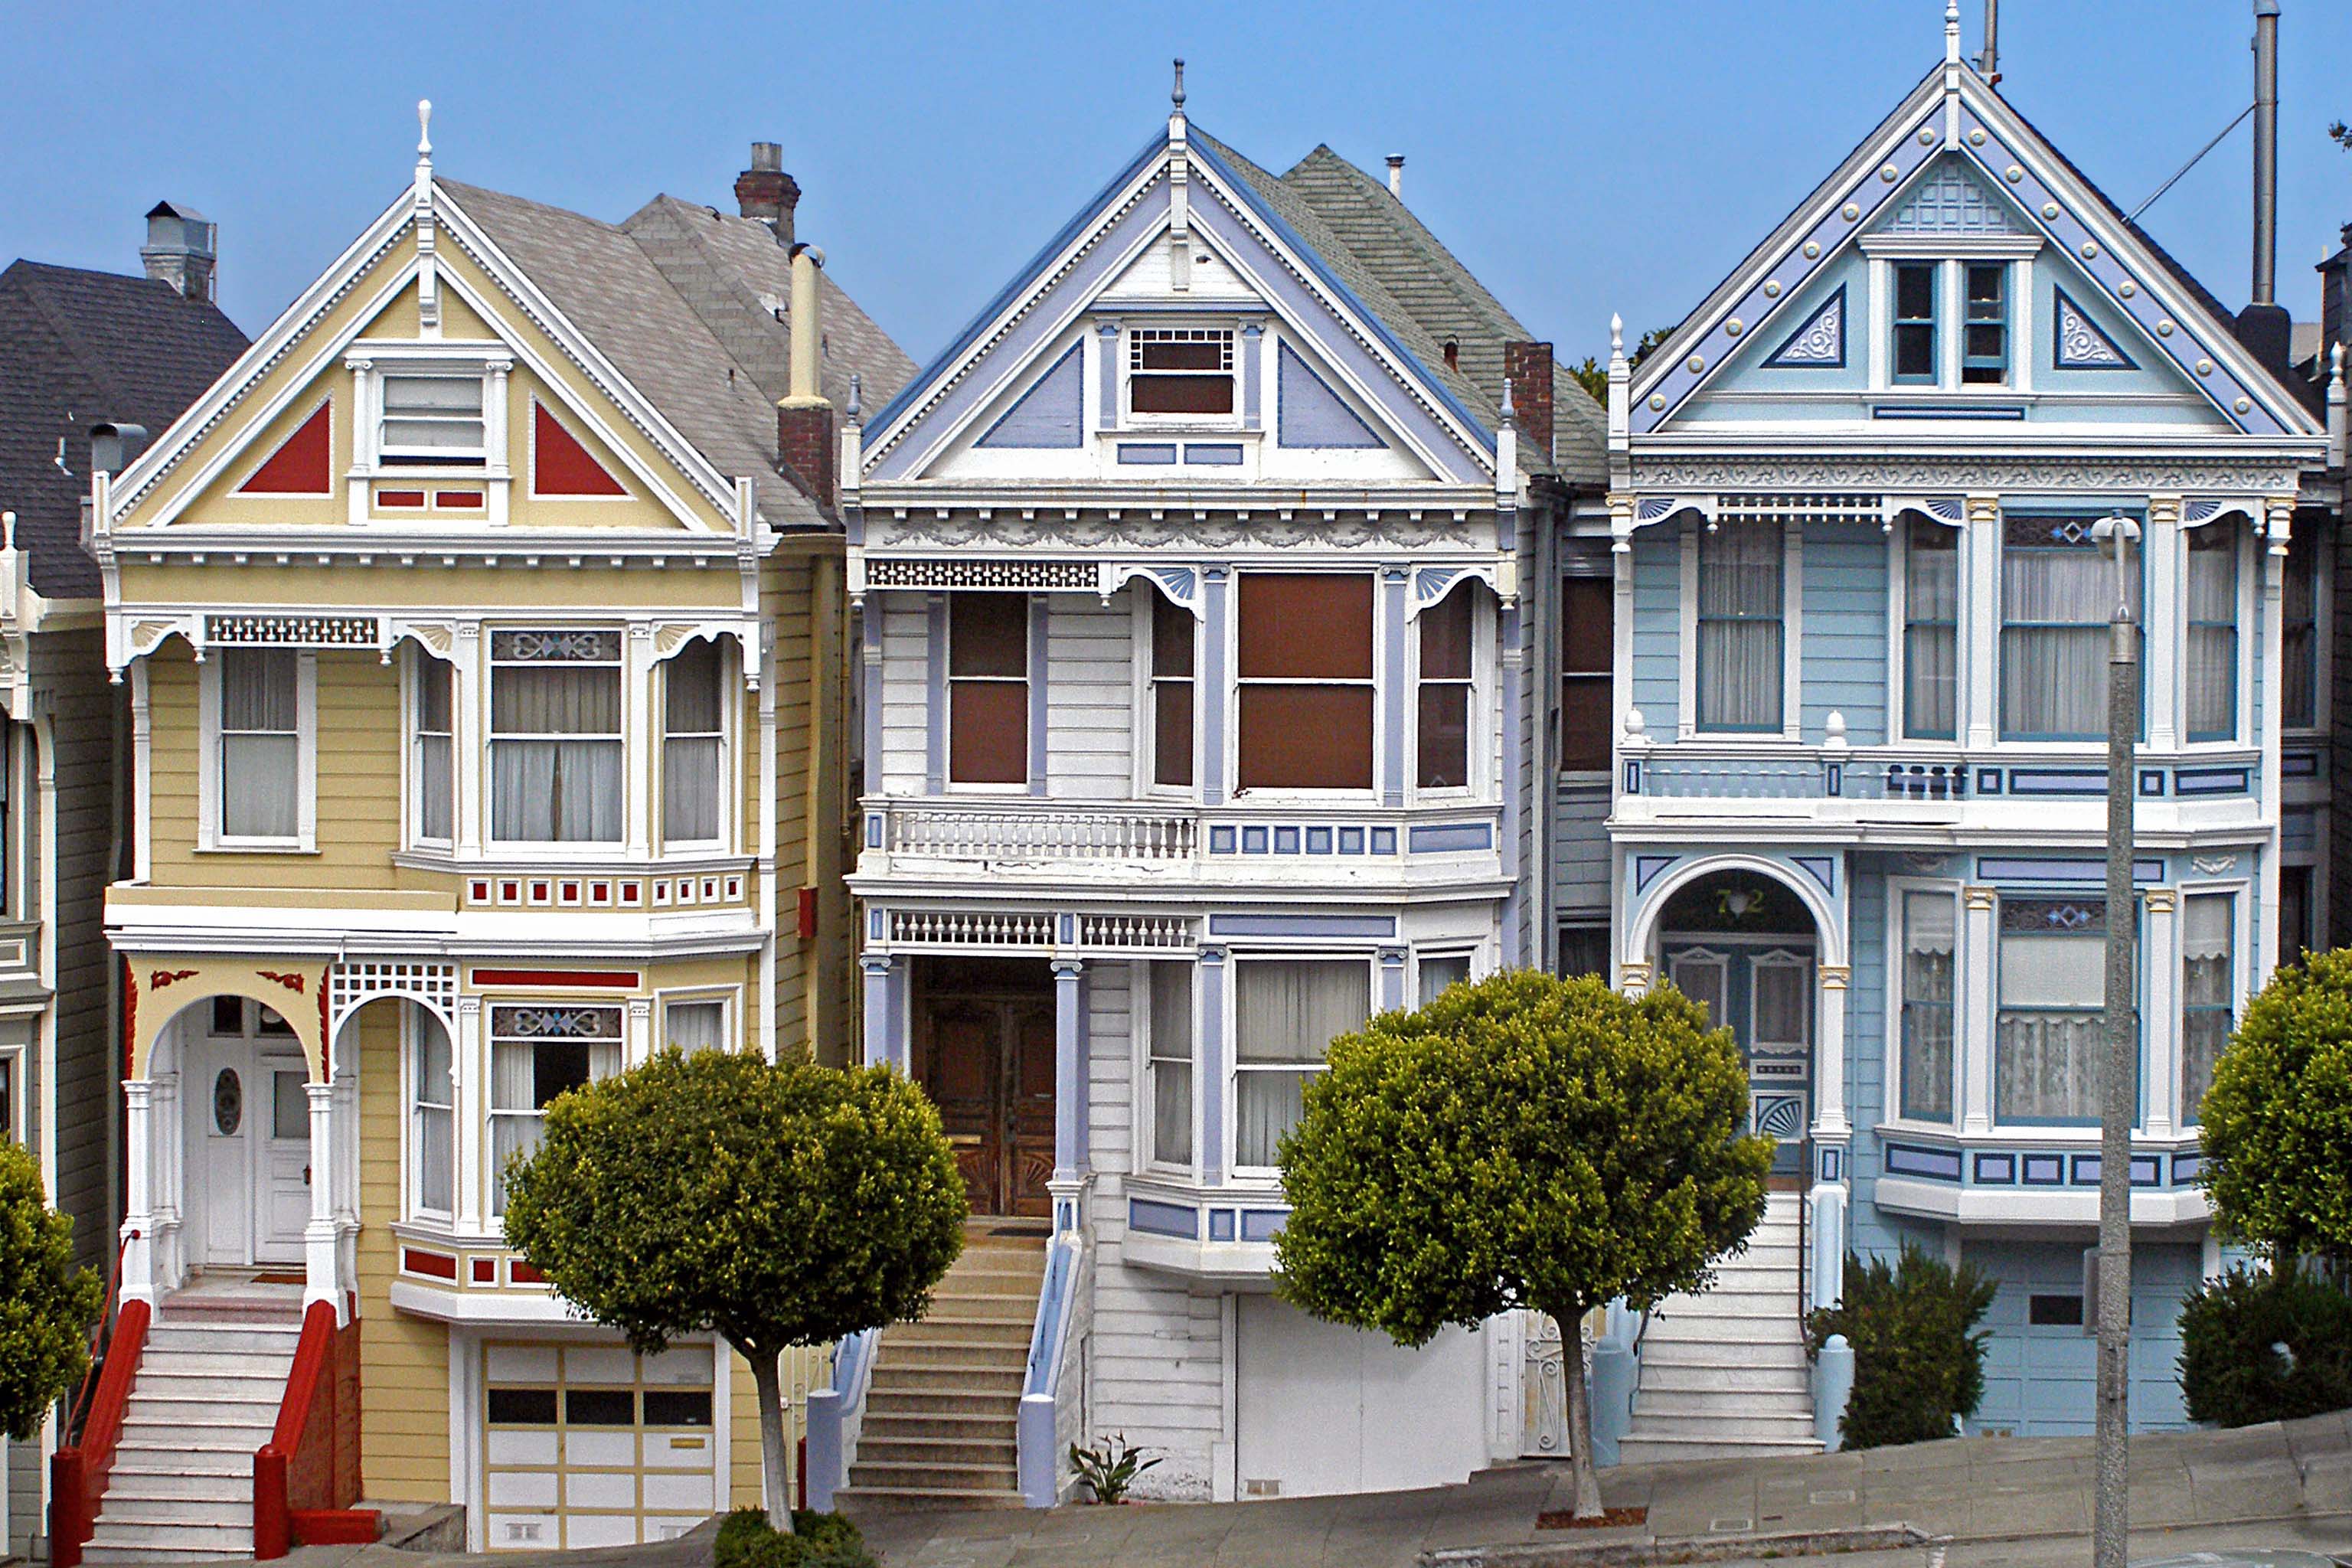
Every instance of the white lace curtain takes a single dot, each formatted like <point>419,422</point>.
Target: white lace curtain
<point>1931,595</point>
<point>433,1153</point>
<point>2047,1044</point>
<point>524,1075</point>
<point>2212,649</point>
<point>692,724</point>
<point>1285,1015</point>
<point>2056,604</point>
<point>2207,1007</point>
<point>1927,949</point>
<point>548,789</point>
<point>260,747</point>
<point>1171,1063</point>
<point>1739,627</point>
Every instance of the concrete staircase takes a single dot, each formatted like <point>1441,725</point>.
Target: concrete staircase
<point>941,1417</point>
<point>1724,1374</point>
<point>205,1397</point>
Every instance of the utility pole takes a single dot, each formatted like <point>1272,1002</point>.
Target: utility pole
<point>2119,1080</point>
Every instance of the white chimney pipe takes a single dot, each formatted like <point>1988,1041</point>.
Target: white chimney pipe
<point>808,328</point>
<point>1396,175</point>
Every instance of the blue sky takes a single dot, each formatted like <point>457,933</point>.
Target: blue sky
<point>1582,157</point>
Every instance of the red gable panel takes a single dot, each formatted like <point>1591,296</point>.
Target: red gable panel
<point>302,466</point>
<point>560,466</point>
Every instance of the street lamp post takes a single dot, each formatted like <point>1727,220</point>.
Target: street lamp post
<point>2119,1078</point>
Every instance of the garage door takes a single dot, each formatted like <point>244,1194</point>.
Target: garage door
<point>596,1446</point>
<point>1318,1409</point>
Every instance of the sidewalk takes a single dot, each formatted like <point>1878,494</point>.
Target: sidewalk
<point>1985,1490</point>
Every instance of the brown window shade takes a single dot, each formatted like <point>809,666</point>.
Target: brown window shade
<point>1306,627</point>
<point>1171,638</point>
<point>1171,732</point>
<point>1584,722</point>
<point>1306,737</point>
<point>1445,639</point>
<point>1588,630</point>
<point>1213,354</point>
<point>988,732</point>
<point>988,634</point>
<point>1180,393</point>
<point>1446,735</point>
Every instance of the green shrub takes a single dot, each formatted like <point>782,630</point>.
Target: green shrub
<point>2277,1126</point>
<point>2231,1370</point>
<point>746,1540</point>
<point>1918,1355</point>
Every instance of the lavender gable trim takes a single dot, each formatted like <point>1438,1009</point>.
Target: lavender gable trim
<point>1217,583</point>
<point>935,704</point>
<point>1392,693</point>
<point>1309,414</point>
<point>1039,631</point>
<point>1051,414</point>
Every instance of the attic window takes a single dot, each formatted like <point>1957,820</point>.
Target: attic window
<point>432,419</point>
<point>1179,370</point>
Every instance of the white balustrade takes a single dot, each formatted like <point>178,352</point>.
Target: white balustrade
<point>958,833</point>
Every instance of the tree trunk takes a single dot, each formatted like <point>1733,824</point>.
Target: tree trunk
<point>1580,1414</point>
<point>775,1466</point>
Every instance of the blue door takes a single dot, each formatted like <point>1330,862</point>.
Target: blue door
<point>1763,992</point>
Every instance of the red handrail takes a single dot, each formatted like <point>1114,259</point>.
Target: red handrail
<point>306,1477</point>
<point>79,1474</point>
<point>80,1408</point>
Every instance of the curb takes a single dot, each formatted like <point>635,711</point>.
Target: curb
<point>1689,1548</point>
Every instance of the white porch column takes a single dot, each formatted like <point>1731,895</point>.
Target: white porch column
<point>1830,1124</point>
<point>1069,1070</point>
<point>137,1191</point>
<point>2159,1110</point>
<point>472,1065</point>
<point>1980,608</point>
<point>1211,1062</point>
<point>469,707</point>
<point>640,1043</point>
<point>2160,615</point>
<point>1973,1028</point>
<point>883,1043</point>
<point>320,1235</point>
<point>345,1192</point>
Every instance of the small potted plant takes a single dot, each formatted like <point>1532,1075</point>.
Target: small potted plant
<point>1108,1471</point>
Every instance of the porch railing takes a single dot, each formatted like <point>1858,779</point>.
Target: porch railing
<point>1678,773</point>
<point>78,1473</point>
<point>1038,1451</point>
<point>306,1477</point>
<point>1054,834</point>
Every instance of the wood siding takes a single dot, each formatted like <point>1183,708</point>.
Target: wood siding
<point>1657,628</point>
<point>404,1416</point>
<point>1843,643</point>
<point>1090,697</point>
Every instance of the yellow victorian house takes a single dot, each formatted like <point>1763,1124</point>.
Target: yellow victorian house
<point>483,633</point>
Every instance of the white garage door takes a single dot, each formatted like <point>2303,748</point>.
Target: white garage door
<point>596,1446</point>
<point>1319,1408</point>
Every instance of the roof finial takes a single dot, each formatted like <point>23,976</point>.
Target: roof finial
<point>1177,97</point>
<point>1510,411</point>
<point>1951,32</point>
<point>424,132</point>
<point>856,396</point>
<point>1616,335</point>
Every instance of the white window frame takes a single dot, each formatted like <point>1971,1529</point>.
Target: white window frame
<point>1899,889</point>
<point>412,1176</point>
<point>1898,625</point>
<point>729,1000</point>
<point>412,804</point>
<point>1235,1070</point>
<point>626,736</point>
<point>210,839</point>
<point>1422,955</point>
<point>1146,701</point>
<point>492,1111</point>
<point>730,685</point>
<point>1028,678</point>
<point>1792,621</point>
<point>1951,255</point>
<point>1479,781</point>
<point>1146,1159</point>
<point>1130,344</point>
<point>2248,573</point>
<point>1235,684</point>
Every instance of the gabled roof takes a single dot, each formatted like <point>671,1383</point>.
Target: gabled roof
<point>1953,110</point>
<point>79,348</point>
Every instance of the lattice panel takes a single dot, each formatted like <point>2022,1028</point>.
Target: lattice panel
<point>1799,506</point>
<point>292,631</point>
<point>353,984</point>
<point>980,928</point>
<point>1037,574</point>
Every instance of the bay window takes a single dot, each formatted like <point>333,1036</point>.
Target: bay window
<point>1169,1043</point>
<point>694,712</point>
<point>2207,1003</point>
<point>1927,996</point>
<point>432,1115</point>
<point>1173,647</point>
<point>432,782</point>
<point>1588,644</point>
<point>260,756</point>
<point>2211,594</point>
<point>536,1054</point>
<point>555,737</point>
<point>1306,680</point>
<point>1287,1011</point>
<point>1741,612</point>
<point>2057,596</point>
<point>988,688</point>
<point>432,419</point>
<point>1445,697</point>
<point>2049,1037</point>
<point>1931,625</point>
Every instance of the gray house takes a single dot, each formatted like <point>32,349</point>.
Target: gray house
<point>91,364</point>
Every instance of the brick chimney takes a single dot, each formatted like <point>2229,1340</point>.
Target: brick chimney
<point>181,249</point>
<point>1529,368</point>
<point>765,192</point>
<point>805,442</point>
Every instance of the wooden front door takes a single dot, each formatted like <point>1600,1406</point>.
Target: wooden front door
<point>987,1061</point>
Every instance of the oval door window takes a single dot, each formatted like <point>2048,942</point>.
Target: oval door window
<point>228,1103</point>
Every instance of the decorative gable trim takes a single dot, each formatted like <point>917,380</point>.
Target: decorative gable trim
<point>1051,414</point>
<point>1950,202</point>
<point>2078,342</point>
<point>1819,343</point>
<point>562,467</point>
<point>303,464</point>
<point>1309,414</point>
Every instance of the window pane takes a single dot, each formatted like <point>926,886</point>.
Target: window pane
<point>435,805</point>
<point>695,1025</point>
<point>2207,1006</point>
<point>1931,609</point>
<point>1914,353</point>
<point>1914,292</point>
<point>988,732</point>
<point>2299,652</point>
<point>1301,627</point>
<point>1172,636</point>
<point>433,394</point>
<point>1439,970</point>
<point>258,689</point>
<point>1584,949</point>
<point>555,699</point>
<point>1927,993</point>
<point>432,688</point>
<point>1445,736</point>
<point>1445,639</point>
<point>691,780</point>
<point>2294,913</point>
<point>1180,393</point>
<point>1741,608</point>
<point>552,792</point>
<point>1171,1063</point>
<point>1702,980</point>
<point>2057,595</point>
<point>1213,355</point>
<point>1588,620</point>
<point>1584,722</point>
<point>2211,592</point>
<point>260,786</point>
<point>1779,1004</point>
<point>988,634</point>
<point>691,691</point>
<point>289,1107</point>
<point>1289,1011</point>
<point>1306,737</point>
<point>1171,731</point>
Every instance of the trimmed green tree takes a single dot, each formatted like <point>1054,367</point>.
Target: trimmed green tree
<point>2277,1124</point>
<point>772,1204</point>
<point>1918,1355</point>
<point>47,1307</point>
<point>1523,1142</point>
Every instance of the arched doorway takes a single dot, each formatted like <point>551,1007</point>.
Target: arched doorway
<point>1745,946</point>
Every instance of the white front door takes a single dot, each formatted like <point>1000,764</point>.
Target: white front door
<point>248,1136</point>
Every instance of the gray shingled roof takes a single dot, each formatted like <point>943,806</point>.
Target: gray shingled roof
<point>678,310</point>
<point>77,349</point>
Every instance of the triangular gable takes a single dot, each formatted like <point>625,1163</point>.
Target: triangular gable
<point>560,465</point>
<point>1051,414</point>
<point>1994,150</point>
<point>1310,415</point>
<point>1819,341</point>
<point>2079,342</point>
<point>1032,316</point>
<point>303,464</point>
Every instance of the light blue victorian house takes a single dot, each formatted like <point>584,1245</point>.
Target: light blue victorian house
<point>1853,631</point>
